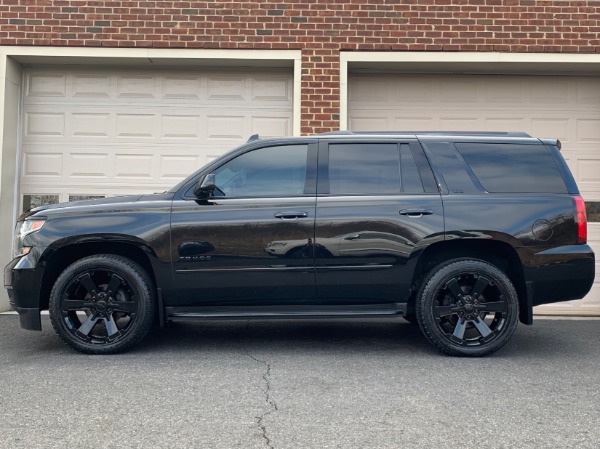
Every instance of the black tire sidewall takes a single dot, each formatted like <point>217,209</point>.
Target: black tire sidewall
<point>437,278</point>
<point>133,274</point>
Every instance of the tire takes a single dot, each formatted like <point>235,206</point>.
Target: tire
<point>102,304</point>
<point>467,307</point>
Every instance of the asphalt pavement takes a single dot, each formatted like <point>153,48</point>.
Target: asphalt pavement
<point>301,384</point>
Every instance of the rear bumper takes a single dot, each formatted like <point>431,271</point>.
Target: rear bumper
<point>560,274</point>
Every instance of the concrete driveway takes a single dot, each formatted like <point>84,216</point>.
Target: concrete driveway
<point>301,384</point>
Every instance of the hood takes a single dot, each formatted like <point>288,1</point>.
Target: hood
<point>96,203</point>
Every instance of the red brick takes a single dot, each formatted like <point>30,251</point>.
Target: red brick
<point>320,29</point>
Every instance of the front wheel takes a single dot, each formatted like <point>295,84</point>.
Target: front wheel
<point>102,304</point>
<point>467,307</point>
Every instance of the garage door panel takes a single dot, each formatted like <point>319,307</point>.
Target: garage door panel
<point>138,86</point>
<point>501,91</point>
<point>556,127</point>
<point>132,87</point>
<point>89,125</point>
<point>415,122</point>
<point>137,125</point>
<point>462,91</point>
<point>588,130</point>
<point>44,124</point>
<point>116,131</point>
<point>88,165</point>
<point>273,89</point>
<point>452,123</point>
<point>90,86</point>
<point>46,85</point>
<point>100,124</point>
<point>550,91</point>
<point>96,165</point>
<point>563,107</point>
<point>588,91</point>
<point>181,126</point>
<point>43,165</point>
<point>270,126</point>
<point>504,124</point>
<point>181,87</point>
<point>229,127</point>
<point>174,167</point>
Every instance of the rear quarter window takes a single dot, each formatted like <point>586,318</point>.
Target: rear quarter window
<point>513,168</point>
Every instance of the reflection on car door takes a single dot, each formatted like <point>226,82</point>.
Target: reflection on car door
<point>377,205</point>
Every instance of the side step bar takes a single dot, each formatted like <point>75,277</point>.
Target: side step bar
<point>284,312</point>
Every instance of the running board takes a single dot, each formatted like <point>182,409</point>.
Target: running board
<point>284,312</point>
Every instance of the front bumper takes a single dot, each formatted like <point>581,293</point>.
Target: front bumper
<point>22,284</point>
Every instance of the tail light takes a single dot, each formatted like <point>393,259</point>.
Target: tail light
<point>581,220</point>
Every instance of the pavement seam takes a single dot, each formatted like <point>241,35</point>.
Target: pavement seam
<point>268,399</point>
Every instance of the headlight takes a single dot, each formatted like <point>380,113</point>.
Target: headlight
<point>23,229</point>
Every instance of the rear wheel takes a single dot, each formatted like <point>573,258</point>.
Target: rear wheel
<point>102,304</point>
<point>467,307</point>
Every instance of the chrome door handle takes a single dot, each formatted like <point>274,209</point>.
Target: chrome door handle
<point>416,213</point>
<point>291,215</point>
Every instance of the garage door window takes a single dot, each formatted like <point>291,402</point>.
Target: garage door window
<point>592,209</point>
<point>36,200</point>
<point>85,197</point>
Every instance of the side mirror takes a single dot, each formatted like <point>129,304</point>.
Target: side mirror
<point>205,186</point>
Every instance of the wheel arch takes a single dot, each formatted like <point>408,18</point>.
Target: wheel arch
<point>498,253</point>
<point>61,258</point>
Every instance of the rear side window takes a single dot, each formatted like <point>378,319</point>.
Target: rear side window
<point>372,169</point>
<point>513,168</point>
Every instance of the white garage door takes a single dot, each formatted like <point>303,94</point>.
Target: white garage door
<point>563,107</point>
<point>106,132</point>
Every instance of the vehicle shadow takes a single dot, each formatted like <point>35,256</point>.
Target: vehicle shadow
<point>284,335</point>
<point>546,339</point>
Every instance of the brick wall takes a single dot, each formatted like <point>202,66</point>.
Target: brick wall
<point>320,28</point>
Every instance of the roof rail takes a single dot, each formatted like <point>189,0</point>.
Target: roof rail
<point>337,133</point>
<point>434,133</point>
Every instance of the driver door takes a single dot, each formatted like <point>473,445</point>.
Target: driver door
<point>250,242</point>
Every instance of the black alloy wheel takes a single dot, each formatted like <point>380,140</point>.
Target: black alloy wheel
<point>467,307</point>
<point>102,304</point>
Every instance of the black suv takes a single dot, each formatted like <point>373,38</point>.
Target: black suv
<point>462,233</point>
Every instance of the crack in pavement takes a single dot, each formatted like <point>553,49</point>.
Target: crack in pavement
<point>268,399</point>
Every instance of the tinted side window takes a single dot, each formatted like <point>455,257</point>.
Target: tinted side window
<point>271,171</point>
<point>513,168</point>
<point>372,169</point>
<point>411,180</point>
<point>452,168</point>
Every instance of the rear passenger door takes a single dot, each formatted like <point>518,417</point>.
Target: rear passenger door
<point>378,206</point>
